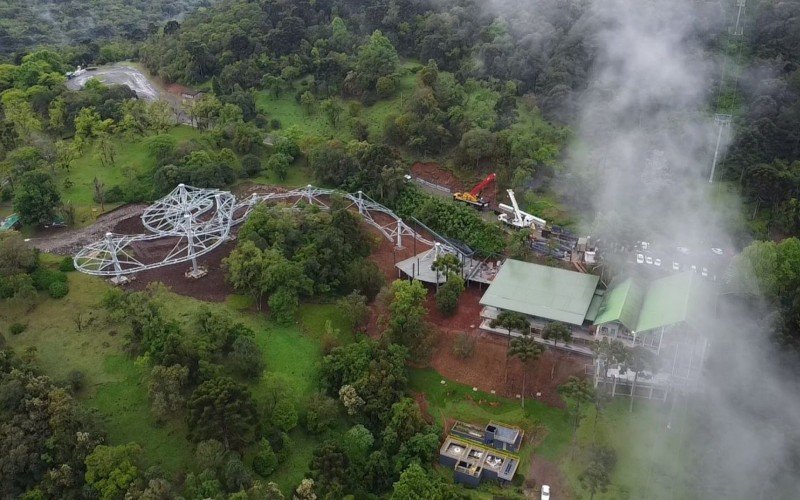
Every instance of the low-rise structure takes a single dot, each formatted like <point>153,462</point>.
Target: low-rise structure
<point>477,454</point>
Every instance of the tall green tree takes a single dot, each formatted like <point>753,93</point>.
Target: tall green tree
<point>640,359</point>
<point>36,199</point>
<point>609,352</point>
<point>222,409</point>
<point>448,294</point>
<point>165,390</point>
<point>417,484</point>
<point>406,325</point>
<point>576,392</point>
<point>110,470</point>
<point>375,59</point>
<point>594,479</point>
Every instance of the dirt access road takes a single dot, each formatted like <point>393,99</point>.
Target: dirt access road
<point>64,241</point>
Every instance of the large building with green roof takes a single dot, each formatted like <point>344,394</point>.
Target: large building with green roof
<point>642,314</point>
<point>544,292</point>
<point>629,310</point>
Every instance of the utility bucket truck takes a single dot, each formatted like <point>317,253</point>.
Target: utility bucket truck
<point>473,197</point>
<point>516,218</point>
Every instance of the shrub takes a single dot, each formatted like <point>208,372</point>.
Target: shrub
<point>329,342</point>
<point>386,86</point>
<point>58,289</point>
<point>275,124</point>
<point>265,462</point>
<point>284,415</point>
<point>464,346</point>
<point>246,358</point>
<point>114,195</point>
<point>287,146</point>
<point>320,414</point>
<point>43,277</point>
<point>251,165</point>
<point>365,277</point>
<point>66,265</point>
<point>17,328</point>
<point>360,129</point>
<point>76,380</point>
<point>448,294</point>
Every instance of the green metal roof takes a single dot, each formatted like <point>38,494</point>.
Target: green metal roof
<point>622,303</point>
<point>594,305</point>
<point>542,291</point>
<point>9,222</point>
<point>668,301</point>
<point>673,299</point>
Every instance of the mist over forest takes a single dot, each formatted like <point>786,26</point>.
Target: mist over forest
<point>322,347</point>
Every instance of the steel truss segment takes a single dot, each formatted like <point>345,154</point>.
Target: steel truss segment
<point>201,219</point>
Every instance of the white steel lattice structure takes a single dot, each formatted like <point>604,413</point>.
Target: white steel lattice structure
<point>190,222</point>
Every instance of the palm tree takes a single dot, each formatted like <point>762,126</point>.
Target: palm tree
<point>526,350</point>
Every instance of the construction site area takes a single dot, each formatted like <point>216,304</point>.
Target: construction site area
<point>181,239</point>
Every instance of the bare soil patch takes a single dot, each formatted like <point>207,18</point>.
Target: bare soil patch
<point>212,287</point>
<point>433,172</point>
<point>487,367</point>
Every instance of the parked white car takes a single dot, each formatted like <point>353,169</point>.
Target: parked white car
<point>649,260</point>
<point>639,258</point>
<point>676,266</point>
<point>545,492</point>
<point>657,262</point>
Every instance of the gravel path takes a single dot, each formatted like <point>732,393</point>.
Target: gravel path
<point>123,75</point>
<point>69,241</point>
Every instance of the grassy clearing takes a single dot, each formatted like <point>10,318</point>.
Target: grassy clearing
<point>131,158</point>
<point>299,175</point>
<point>649,456</point>
<point>546,427</point>
<point>291,114</point>
<point>547,206</point>
<point>114,384</point>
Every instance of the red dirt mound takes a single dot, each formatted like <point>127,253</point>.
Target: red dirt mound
<point>433,172</point>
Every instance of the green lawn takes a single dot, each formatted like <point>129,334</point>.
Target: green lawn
<point>299,175</point>
<point>291,114</point>
<point>651,460</point>
<point>547,427</point>
<point>547,206</point>
<point>131,158</point>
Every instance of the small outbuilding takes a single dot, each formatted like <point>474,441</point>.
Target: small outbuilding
<point>477,454</point>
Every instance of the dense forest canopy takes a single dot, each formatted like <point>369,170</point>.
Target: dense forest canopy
<point>25,25</point>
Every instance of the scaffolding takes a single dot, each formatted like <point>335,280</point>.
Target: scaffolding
<point>194,221</point>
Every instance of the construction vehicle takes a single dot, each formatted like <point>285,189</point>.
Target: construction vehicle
<point>474,197</point>
<point>516,218</point>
